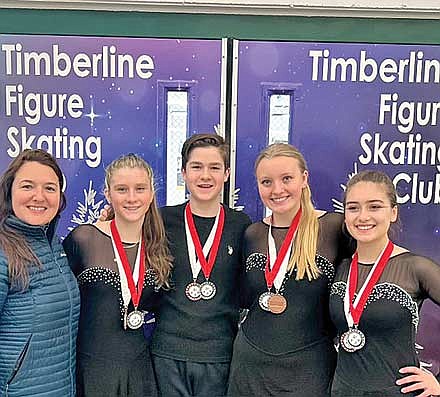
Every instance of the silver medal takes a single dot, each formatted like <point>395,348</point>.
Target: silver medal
<point>263,300</point>
<point>352,340</point>
<point>193,291</point>
<point>135,319</point>
<point>208,290</point>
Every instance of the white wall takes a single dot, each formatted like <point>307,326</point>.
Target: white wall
<point>427,9</point>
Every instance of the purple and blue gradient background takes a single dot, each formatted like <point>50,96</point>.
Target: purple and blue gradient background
<point>129,109</point>
<point>328,120</point>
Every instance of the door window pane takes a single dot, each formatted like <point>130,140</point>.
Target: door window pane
<point>279,118</point>
<point>279,122</point>
<point>177,130</point>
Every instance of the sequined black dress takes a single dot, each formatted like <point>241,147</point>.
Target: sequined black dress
<point>389,322</point>
<point>111,361</point>
<point>288,354</point>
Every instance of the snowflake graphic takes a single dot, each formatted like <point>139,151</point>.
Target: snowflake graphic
<point>87,212</point>
<point>235,200</point>
<point>218,129</point>
<point>337,204</point>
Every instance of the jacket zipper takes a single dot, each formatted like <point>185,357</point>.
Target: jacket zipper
<point>19,363</point>
<point>72,378</point>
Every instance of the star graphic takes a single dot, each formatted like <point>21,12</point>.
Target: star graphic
<point>92,115</point>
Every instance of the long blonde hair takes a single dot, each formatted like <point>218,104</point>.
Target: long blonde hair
<point>306,238</point>
<point>157,254</point>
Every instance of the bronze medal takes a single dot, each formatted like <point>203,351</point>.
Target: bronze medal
<point>277,304</point>
<point>275,270</point>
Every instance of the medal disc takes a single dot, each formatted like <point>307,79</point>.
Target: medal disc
<point>207,290</point>
<point>277,304</point>
<point>193,291</point>
<point>352,340</point>
<point>135,319</point>
<point>263,300</point>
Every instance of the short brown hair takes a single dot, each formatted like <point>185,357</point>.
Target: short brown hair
<point>205,140</point>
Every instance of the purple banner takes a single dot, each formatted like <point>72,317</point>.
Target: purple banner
<point>88,100</point>
<point>353,107</point>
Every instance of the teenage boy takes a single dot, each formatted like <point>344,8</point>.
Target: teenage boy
<point>198,318</point>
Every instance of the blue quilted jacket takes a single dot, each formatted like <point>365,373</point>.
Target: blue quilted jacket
<point>38,326</point>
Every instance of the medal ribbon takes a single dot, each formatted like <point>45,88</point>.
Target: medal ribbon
<point>278,281</point>
<point>270,272</point>
<point>206,265</point>
<point>126,276</point>
<point>195,264</point>
<point>353,310</point>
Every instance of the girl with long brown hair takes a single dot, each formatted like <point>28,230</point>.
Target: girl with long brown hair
<point>121,266</point>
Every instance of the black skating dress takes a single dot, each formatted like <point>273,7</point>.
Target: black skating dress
<point>389,322</point>
<point>111,361</point>
<point>288,354</point>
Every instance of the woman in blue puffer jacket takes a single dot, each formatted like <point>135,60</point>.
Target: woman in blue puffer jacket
<point>39,297</point>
